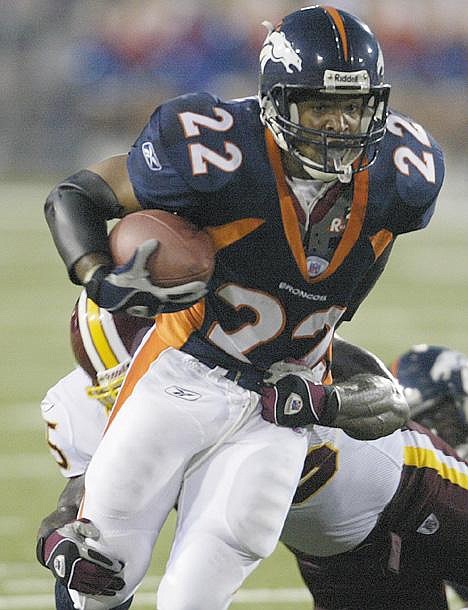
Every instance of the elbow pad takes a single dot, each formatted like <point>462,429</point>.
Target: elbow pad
<point>77,211</point>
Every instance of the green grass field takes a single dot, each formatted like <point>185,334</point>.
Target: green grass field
<point>422,297</point>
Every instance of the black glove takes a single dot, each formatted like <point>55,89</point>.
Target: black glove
<point>128,288</point>
<point>294,401</point>
<point>77,565</point>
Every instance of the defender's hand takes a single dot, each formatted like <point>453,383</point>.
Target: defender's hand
<point>295,401</point>
<point>128,288</point>
<point>77,565</point>
<point>372,406</point>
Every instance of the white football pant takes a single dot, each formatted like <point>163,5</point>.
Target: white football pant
<point>187,436</point>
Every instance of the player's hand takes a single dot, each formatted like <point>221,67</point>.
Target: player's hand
<point>128,288</point>
<point>366,406</point>
<point>77,565</point>
<point>291,398</point>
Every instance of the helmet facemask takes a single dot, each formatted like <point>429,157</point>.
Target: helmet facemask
<point>108,385</point>
<point>336,154</point>
<point>322,51</point>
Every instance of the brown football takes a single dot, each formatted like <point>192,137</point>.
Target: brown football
<point>184,253</point>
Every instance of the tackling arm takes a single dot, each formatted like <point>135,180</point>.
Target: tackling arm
<point>365,400</point>
<point>66,511</point>
<point>62,547</point>
<point>371,400</point>
<point>349,359</point>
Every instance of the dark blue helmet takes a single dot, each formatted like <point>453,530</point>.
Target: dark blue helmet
<point>322,51</point>
<point>435,380</point>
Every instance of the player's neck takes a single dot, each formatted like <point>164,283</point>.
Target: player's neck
<point>293,168</point>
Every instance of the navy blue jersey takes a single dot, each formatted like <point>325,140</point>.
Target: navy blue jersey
<point>214,163</point>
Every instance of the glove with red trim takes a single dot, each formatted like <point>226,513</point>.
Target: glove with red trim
<point>77,565</point>
<point>294,401</point>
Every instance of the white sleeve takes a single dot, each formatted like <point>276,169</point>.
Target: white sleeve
<point>75,423</point>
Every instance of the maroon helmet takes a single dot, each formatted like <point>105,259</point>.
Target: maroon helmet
<point>103,344</point>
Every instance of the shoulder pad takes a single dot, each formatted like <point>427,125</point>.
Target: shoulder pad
<point>407,175</point>
<point>417,158</point>
<point>201,140</point>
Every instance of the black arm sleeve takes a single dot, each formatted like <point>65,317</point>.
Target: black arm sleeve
<point>76,211</point>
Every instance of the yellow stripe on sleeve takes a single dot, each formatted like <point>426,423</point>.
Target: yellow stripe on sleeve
<point>425,458</point>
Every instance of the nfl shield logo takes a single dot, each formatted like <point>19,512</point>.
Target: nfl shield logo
<point>316,265</point>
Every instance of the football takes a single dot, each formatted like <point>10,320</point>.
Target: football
<point>184,254</point>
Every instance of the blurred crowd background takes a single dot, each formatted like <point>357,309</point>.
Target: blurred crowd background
<point>78,78</point>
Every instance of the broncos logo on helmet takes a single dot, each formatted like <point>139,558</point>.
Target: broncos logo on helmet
<point>277,48</point>
<point>103,344</point>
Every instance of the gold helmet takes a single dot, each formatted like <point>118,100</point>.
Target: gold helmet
<point>103,344</point>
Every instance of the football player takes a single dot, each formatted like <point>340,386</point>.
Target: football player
<point>382,524</point>
<point>77,407</point>
<point>303,190</point>
<point>75,422</point>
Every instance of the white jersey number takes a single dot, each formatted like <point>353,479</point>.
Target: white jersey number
<point>403,156</point>
<point>269,323</point>
<point>201,155</point>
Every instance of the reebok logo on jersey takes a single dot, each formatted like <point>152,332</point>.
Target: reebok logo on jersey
<point>429,526</point>
<point>150,156</point>
<point>183,393</point>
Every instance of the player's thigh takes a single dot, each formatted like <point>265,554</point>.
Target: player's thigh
<point>244,490</point>
<point>230,514</point>
<point>172,413</point>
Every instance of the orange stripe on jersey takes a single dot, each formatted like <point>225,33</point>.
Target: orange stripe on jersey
<point>291,224</point>
<point>328,379</point>
<point>288,213</point>
<point>225,235</point>
<point>380,241</point>
<point>170,330</point>
<point>354,226</point>
<point>339,25</point>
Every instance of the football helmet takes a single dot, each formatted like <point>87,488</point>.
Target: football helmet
<point>322,51</point>
<point>435,382</point>
<point>102,344</point>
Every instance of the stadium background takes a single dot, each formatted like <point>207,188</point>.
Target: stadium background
<point>77,81</point>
